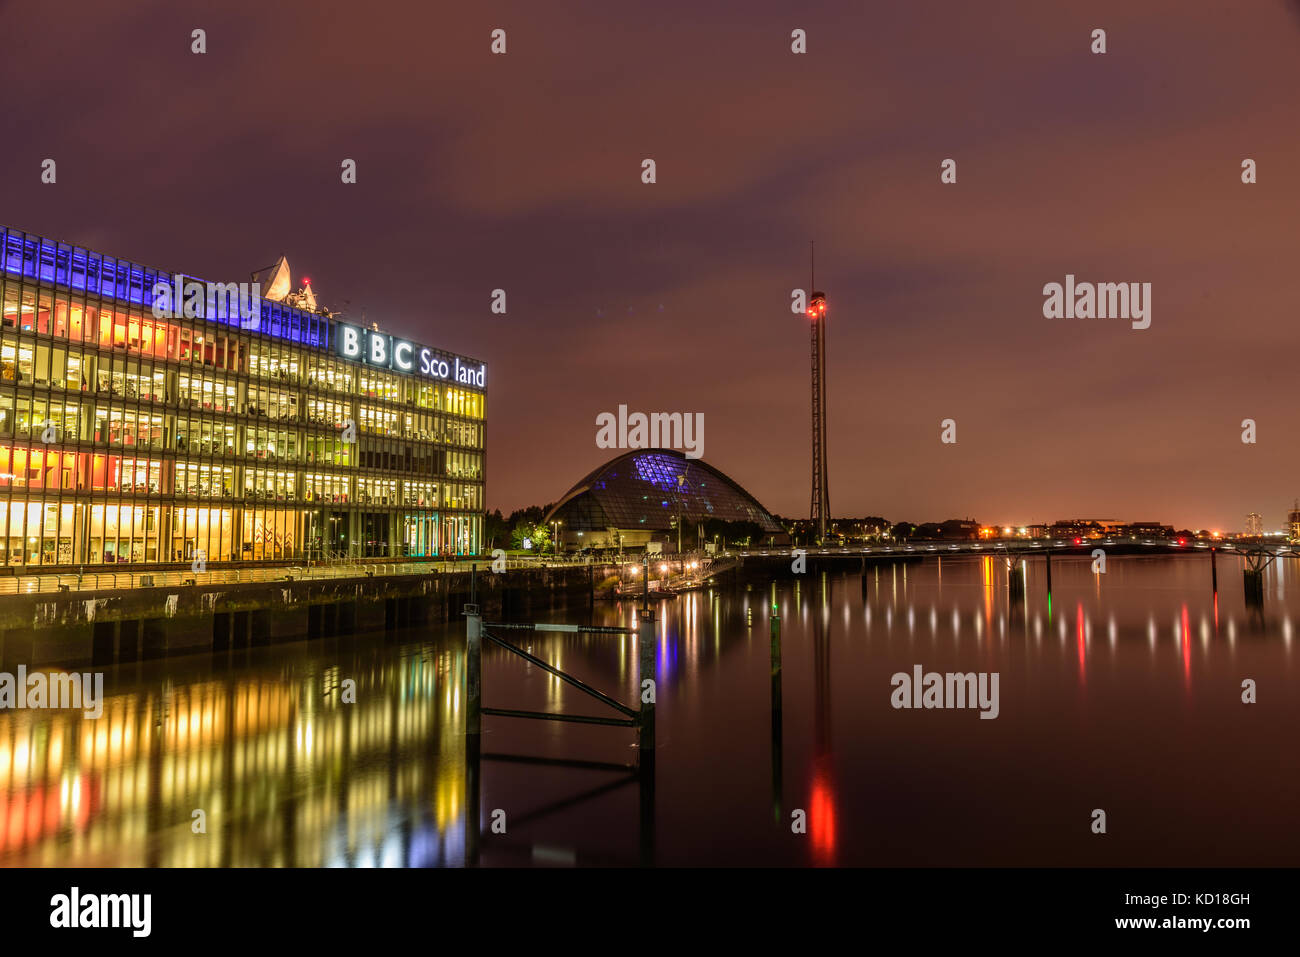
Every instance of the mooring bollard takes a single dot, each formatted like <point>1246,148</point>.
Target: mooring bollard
<point>645,636</point>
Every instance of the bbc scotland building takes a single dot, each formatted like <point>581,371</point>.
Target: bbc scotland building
<point>282,437</point>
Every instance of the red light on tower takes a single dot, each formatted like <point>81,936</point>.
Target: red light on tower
<point>817,306</point>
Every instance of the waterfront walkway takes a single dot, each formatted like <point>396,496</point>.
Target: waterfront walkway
<point>107,580</point>
<point>104,580</point>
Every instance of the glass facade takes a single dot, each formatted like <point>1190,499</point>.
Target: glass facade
<point>652,490</point>
<point>125,438</point>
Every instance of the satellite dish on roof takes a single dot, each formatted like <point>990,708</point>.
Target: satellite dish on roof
<point>274,280</point>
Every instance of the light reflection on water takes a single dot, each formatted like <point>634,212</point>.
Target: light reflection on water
<point>1124,693</point>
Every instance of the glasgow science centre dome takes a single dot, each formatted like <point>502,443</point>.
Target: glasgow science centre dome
<point>641,496</point>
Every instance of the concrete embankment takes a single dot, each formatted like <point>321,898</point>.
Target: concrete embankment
<point>73,629</point>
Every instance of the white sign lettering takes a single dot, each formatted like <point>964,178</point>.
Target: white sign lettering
<point>389,352</point>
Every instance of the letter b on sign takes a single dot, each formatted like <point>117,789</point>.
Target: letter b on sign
<point>351,342</point>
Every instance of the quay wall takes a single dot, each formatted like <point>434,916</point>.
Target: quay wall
<point>73,629</point>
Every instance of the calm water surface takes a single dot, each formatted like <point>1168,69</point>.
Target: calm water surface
<point>1124,695</point>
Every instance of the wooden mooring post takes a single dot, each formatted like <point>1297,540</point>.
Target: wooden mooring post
<point>1015,580</point>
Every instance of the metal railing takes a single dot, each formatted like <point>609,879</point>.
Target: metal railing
<point>331,566</point>
<point>323,567</point>
<point>110,580</point>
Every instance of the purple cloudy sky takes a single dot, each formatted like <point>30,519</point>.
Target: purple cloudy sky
<point>523,172</point>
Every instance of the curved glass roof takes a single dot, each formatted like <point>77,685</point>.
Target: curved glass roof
<point>649,488</point>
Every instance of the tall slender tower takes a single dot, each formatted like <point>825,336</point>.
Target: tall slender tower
<point>820,497</point>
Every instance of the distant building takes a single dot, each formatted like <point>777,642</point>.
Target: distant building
<point>1293,521</point>
<point>960,529</point>
<point>660,496</point>
<point>1085,528</point>
<point>861,529</point>
<point>1255,525</point>
<point>955,529</point>
<point>1150,530</point>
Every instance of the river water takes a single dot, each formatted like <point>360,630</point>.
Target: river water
<point>1123,696</point>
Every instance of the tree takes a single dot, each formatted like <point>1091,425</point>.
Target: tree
<point>495,529</point>
<point>902,531</point>
<point>538,536</point>
<point>738,533</point>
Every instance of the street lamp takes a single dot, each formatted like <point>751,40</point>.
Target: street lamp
<point>556,525</point>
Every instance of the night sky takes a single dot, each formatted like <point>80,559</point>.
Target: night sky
<point>522,172</point>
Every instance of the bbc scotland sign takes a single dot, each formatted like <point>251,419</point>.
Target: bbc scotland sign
<point>389,352</point>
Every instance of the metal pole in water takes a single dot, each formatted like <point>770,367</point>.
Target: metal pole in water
<point>777,774</point>
<point>473,727</point>
<point>646,736</point>
<point>1214,571</point>
<point>473,772</point>
<point>645,635</point>
<point>776,658</point>
<point>473,670</point>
